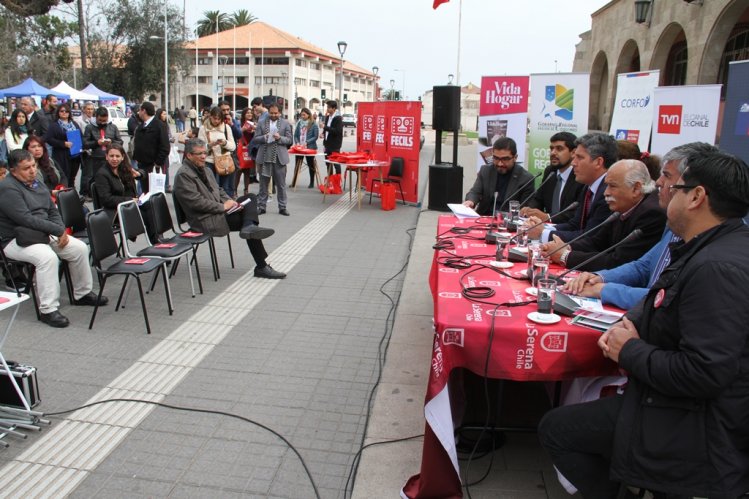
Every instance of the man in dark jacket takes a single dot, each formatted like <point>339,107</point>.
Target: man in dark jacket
<point>631,192</point>
<point>332,132</point>
<point>682,425</point>
<point>96,138</point>
<point>37,122</point>
<point>151,142</point>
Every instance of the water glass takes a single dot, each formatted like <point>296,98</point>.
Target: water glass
<point>547,290</point>
<point>514,210</point>
<point>503,240</point>
<point>540,268</point>
<point>521,238</point>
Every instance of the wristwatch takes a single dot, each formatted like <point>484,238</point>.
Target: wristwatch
<point>565,254</point>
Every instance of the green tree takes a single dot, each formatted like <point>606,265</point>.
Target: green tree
<point>242,17</point>
<point>212,21</point>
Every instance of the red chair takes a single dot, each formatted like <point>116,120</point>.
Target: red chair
<point>395,174</point>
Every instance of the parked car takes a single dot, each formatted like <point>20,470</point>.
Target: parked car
<point>118,118</point>
<point>349,120</point>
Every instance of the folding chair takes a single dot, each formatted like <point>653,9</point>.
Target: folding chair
<point>182,219</point>
<point>163,224</point>
<point>132,226</point>
<point>104,245</point>
<point>29,269</point>
<point>71,211</point>
<point>395,174</point>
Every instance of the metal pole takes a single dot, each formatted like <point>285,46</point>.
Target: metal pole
<point>166,58</point>
<point>197,106</point>
<point>234,73</point>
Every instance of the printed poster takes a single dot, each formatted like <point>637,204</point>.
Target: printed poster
<point>687,113</point>
<point>633,107</point>
<point>734,133</point>
<point>503,112</point>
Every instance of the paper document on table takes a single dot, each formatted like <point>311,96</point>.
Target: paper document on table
<point>462,211</point>
<point>238,206</point>
<point>588,303</point>
<point>599,320</point>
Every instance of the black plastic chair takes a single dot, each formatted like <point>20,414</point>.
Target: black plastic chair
<point>29,269</point>
<point>182,219</point>
<point>163,224</point>
<point>71,211</point>
<point>132,226</point>
<point>395,174</point>
<point>104,245</point>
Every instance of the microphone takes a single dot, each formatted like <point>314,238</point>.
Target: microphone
<point>551,175</point>
<point>635,234</point>
<point>571,206</point>
<point>508,198</point>
<point>610,219</point>
<point>494,211</point>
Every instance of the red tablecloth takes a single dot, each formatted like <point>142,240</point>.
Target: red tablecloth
<point>521,350</point>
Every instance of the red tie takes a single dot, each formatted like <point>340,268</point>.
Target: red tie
<point>586,207</point>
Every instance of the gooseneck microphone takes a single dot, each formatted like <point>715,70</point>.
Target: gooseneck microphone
<point>551,175</point>
<point>571,206</point>
<point>635,234</point>
<point>508,198</point>
<point>610,219</point>
<point>494,209</point>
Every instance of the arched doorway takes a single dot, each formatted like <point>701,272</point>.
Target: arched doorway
<point>671,56</point>
<point>735,22</point>
<point>629,58</point>
<point>599,115</point>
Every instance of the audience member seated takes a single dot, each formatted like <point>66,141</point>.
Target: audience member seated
<point>115,182</point>
<point>48,171</point>
<point>32,231</point>
<point>206,207</point>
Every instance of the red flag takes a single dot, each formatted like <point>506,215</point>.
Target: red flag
<point>437,3</point>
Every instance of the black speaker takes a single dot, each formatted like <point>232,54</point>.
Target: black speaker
<point>445,186</point>
<point>446,108</point>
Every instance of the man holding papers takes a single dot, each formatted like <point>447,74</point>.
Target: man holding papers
<point>681,426</point>
<point>210,210</point>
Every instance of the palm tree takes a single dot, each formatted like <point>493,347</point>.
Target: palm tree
<point>212,21</point>
<point>242,17</point>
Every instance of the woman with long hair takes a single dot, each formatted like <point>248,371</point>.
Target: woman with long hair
<point>17,131</point>
<point>163,115</point>
<point>47,171</point>
<point>217,135</point>
<point>305,134</point>
<point>58,136</point>
<point>246,168</point>
<point>115,182</point>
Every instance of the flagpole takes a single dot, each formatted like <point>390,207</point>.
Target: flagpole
<point>262,68</point>
<point>234,73</point>
<point>249,68</point>
<point>460,23</point>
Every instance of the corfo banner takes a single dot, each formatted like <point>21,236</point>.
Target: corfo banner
<point>633,107</point>
<point>559,103</point>
<point>684,114</point>
<point>734,134</point>
<point>503,112</point>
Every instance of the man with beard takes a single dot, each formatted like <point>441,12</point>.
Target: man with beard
<point>562,189</point>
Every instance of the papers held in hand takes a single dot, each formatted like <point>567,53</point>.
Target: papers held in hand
<point>462,211</point>
<point>144,198</point>
<point>238,206</point>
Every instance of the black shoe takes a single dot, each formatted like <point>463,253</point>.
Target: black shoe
<point>20,284</point>
<point>55,319</point>
<point>90,300</point>
<point>311,186</point>
<point>267,272</point>
<point>284,212</point>
<point>255,232</point>
<point>261,211</point>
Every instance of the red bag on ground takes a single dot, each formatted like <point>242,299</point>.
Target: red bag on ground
<point>332,184</point>
<point>387,196</point>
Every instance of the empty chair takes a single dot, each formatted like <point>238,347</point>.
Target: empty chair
<point>103,245</point>
<point>71,211</point>
<point>394,176</point>
<point>132,226</point>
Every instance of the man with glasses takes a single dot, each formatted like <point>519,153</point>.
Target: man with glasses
<point>681,427</point>
<point>504,176</point>
<point>627,284</point>
<point>210,210</point>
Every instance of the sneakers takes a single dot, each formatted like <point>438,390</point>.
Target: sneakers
<point>55,319</point>
<point>261,211</point>
<point>267,272</point>
<point>90,300</point>
<point>284,212</point>
<point>20,285</point>
<point>255,232</point>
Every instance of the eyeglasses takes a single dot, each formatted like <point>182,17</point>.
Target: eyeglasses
<point>503,159</point>
<point>684,187</point>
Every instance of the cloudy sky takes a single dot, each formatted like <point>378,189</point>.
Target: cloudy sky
<point>498,36</point>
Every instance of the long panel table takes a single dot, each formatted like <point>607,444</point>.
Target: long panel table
<point>519,349</point>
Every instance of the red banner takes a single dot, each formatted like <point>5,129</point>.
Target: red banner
<point>388,130</point>
<point>504,95</point>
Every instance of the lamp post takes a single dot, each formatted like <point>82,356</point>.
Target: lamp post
<point>284,88</point>
<point>392,89</point>
<point>403,89</point>
<point>341,50</point>
<point>375,70</point>
<point>166,56</point>
<point>450,79</point>
<point>223,60</point>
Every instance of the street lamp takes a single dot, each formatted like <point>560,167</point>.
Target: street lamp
<point>284,87</point>
<point>166,56</point>
<point>341,50</point>
<point>375,70</point>
<point>403,89</point>
<point>223,60</point>
<point>392,89</point>
<point>450,79</point>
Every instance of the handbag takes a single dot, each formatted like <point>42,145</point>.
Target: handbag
<point>224,164</point>
<point>26,236</point>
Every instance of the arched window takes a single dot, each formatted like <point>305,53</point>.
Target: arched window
<point>676,66</point>
<point>737,49</point>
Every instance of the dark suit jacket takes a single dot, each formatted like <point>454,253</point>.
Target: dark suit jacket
<point>91,136</point>
<point>203,204</point>
<point>151,144</point>
<point>112,191</point>
<point>647,216</point>
<point>56,137</point>
<point>598,213</point>
<point>482,192</point>
<point>38,124</point>
<point>334,138</point>
<point>542,200</point>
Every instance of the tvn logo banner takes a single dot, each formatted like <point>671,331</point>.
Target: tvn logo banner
<point>684,114</point>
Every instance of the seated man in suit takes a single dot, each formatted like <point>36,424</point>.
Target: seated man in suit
<point>562,189</point>
<point>25,204</point>
<point>206,207</point>
<point>504,176</point>
<point>594,154</point>
<point>631,192</point>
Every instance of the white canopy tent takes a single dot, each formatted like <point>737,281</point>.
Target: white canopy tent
<point>75,94</point>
